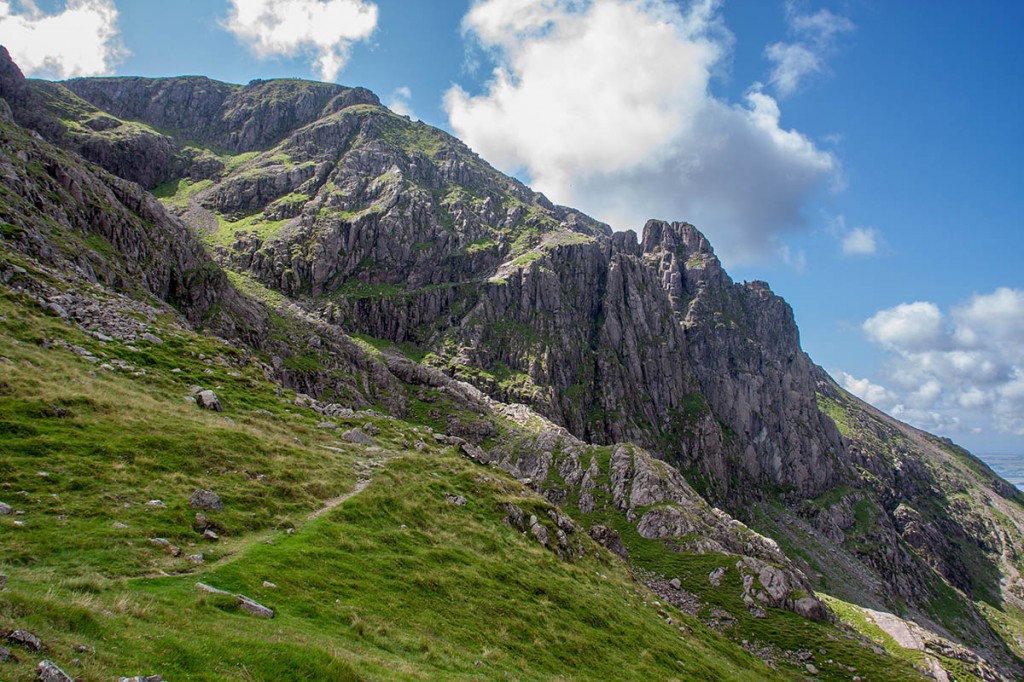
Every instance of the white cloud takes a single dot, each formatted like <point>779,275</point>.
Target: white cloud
<point>860,241</point>
<point>943,370</point>
<point>908,326</point>
<point>79,40</point>
<point>877,395</point>
<point>605,104</point>
<point>797,260</point>
<point>325,28</point>
<point>814,39</point>
<point>793,63</point>
<point>400,101</point>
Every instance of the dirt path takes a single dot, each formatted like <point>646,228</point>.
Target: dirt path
<point>330,504</point>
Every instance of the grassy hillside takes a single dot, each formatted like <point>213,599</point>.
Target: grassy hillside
<point>395,582</point>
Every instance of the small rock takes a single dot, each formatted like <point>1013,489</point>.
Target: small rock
<point>208,400</point>
<point>811,669</point>
<point>516,517</point>
<point>756,611</point>
<point>201,522</point>
<point>254,607</point>
<point>85,649</point>
<point>195,558</point>
<point>203,587</point>
<point>6,656</point>
<point>152,338</point>
<point>141,678</point>
<point>26,639</point>
<point>119,525</point>
<point>455,499</point>
<point>676,584</point>
<point>49,672</point>
<point>210,535</point>
<point>326,425</point>
<point>55,308</point>
<point>268,584</point>
<point>156,504</point>
<point>5,509</point>
<point>173,550</point>
<point>610,540</point>
<point>715,576</point>
<point>539,531</point>
<point>206,499</point>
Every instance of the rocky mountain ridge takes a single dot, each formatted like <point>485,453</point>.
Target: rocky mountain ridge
<point>320,202</point>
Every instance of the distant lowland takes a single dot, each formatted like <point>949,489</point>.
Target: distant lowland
<point>1010,467</point>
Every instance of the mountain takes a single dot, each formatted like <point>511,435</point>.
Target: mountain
<point>452,431</point>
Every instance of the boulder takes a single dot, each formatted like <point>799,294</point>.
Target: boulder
<point>515,516</point>
<point>49,672</point>
<point>458,500</point>
<point>208,400</point>
<point>359,436</point>
<point>715,576</point>
<point>539,531</point>
<point>610,540</point>
<point>254,607</point>
<point>26,639</point>
<point>206,499</point>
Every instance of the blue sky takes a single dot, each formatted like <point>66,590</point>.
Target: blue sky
<point>864,157</point>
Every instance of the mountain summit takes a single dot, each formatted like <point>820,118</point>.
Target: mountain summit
<point>451,429</point>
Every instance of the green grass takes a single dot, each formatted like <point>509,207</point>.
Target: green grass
<point>179,193</point>
<point>836,413</point>
<point>228,230</point>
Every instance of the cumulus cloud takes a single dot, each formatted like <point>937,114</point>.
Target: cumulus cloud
<point>877,395</point>
<point>400,101</point>
<point>908,326</point>
<point>814,39</point>
<point>605,104</point>
<point>325,29</point>
<point>79,40</point>
<point>860,241</point>
<point>947,369</point>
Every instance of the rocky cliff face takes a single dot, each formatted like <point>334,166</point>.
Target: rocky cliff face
<point>398,231</point>
<point>352,219</point>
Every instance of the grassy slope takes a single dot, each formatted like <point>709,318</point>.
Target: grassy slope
<point>455,594</point>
